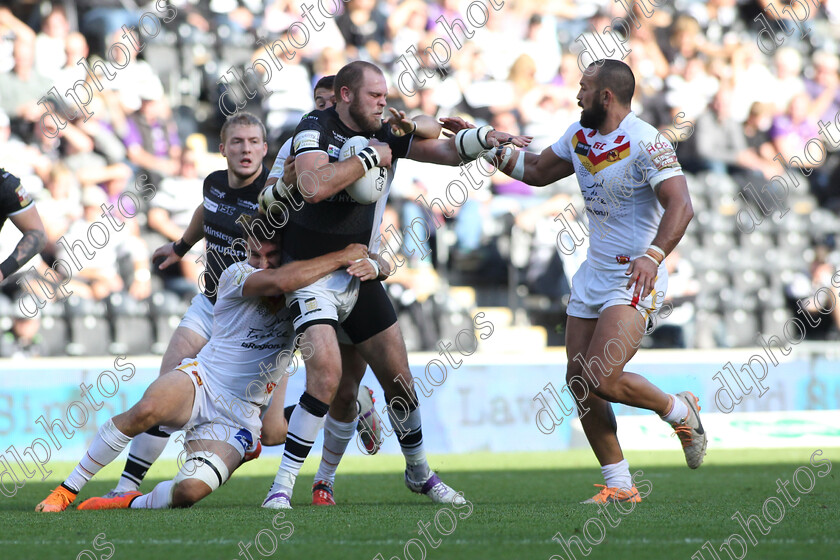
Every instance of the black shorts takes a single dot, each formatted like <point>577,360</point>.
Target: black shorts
<point>372,314</point>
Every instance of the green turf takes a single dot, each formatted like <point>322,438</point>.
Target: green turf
<point>519,501</point>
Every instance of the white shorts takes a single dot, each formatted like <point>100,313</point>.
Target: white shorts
<point>199,316</point>
<point>595,289</point>
<point>328,301</point>
<point>216,416</point>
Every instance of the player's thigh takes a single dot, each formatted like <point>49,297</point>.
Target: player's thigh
<point>185,343</point>
<point>353,366</point>
<point>167,401</point>
<point>615,341</point>
<point>323,365</point>
<point>578,338</point>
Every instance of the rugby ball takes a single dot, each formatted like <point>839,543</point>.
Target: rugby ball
<point>371,186</point>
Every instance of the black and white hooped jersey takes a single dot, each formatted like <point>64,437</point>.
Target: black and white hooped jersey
<point>222,207</point>
<point>334,223</point>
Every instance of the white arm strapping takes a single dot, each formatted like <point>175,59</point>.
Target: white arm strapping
<point>472,142</point>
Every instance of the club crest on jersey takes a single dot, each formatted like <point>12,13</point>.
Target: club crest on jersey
<point>622,259</point>
<point>613,156</point>
<point>269,387</point>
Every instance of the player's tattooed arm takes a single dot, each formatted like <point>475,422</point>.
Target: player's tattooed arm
<point>33,241</point>
<point>299,274</point>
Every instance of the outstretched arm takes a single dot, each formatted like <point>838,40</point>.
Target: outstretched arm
<point>538,170</point>
<point>298,274</point>
<point>33,241</point>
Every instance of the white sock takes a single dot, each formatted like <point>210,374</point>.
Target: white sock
<point>679,411</point>
<point>617,475</point>
<point>303,429</point>
<point>107,444</point>
<point>159,498</point>
<point>337,436</point>
<point>143,451</point>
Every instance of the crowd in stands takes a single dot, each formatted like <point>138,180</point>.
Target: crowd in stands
<point>744,110</point>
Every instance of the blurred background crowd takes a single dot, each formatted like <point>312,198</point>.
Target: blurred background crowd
<point>741,114</point>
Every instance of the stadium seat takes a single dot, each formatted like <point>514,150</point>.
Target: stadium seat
<point>742,328</point>
<point>54,330</point>
<point>90,332</point>
<point>165,310</point>
<point>131,324</point>
<point>773,321</point>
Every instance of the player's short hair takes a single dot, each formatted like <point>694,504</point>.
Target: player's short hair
<point>242,118</point>
<point>327,82</point>
<point>258,228</point>
<point>617,76</point>
<point>352,74</point>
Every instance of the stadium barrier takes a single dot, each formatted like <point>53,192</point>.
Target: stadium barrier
<point>487,404</point>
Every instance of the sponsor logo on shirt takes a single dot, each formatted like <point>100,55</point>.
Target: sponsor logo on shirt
<point>248,204</point>
<point>333,151</point>
<point>217,192</point>
<point>23,196</point>
<point>307,139</point>
<point>211,206</point>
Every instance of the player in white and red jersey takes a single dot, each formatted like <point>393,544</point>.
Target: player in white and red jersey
<point>217,396</point>
<point>638,207</point>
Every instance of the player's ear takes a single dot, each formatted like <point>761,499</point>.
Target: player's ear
<point>222,148</point>
<point>265,148</point>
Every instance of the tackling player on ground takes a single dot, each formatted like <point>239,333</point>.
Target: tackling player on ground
<point>638,207</point>
<point>217,396</point>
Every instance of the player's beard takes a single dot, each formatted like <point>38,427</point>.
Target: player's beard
<point>595,116</point>
<point>369,123</point>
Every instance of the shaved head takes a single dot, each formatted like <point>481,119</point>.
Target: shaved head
<point>615,76</point>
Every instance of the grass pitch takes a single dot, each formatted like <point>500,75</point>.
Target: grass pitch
<point>519,502</point>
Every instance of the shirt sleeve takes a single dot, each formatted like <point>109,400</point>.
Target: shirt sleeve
<point>233,280</point>
<point>13,196</point>
<point>284,152</point>
<point>563,147</point>
<point>310,135</point>
<point>659,159</point>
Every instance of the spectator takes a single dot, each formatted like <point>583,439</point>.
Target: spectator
<point>151,138</point>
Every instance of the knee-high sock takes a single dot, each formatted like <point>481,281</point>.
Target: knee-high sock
<point>159,498</point>
<point>143,451</point>
<point>407,426</point>
<point>107,444</point>
<point>304,424</point>
<point>337,436</point>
